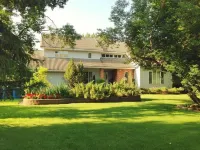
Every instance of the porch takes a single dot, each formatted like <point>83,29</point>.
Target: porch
<point>109,75</point>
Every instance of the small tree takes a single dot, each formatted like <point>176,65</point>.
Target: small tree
<point>74,73</point>
<point>38,80</point>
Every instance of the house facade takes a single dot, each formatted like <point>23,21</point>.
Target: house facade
<point>110,64</point>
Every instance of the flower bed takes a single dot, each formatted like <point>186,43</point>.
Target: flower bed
<point>83,93</point>
<point>80,100</point>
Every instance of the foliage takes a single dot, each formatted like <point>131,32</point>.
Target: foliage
<point>74,73</point>
<point>66,35</point>
<point>99,91</point>
<point>162,90</point>
<point>161,34</point>
<point>91,91</point>
<point>121,89</point>
<point>17,39</point>
<point>51,92</point>
<point>37,81</point>
<point>100,81</point>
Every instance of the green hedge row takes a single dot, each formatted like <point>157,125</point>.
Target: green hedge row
<point>162,90</point>
<point>90,90</point>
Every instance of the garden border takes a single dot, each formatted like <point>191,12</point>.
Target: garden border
<point>79,100</point>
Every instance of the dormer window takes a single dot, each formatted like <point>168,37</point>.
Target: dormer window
<point>89,55</point>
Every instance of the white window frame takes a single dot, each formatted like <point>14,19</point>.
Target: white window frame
<point>158,79</point>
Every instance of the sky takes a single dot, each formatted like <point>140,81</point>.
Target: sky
<point>85,15</point>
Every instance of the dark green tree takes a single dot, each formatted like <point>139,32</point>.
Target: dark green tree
<point>17,40</point>
<point>162,34</point>
<point>74,73</point>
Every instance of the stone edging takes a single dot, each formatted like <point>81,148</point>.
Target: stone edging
<point>79,100</point>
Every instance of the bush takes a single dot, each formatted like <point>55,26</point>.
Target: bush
<point>91,90</point>
<point>162,90</point>
<point>74,73</point>
<point>99,91</point>
<point>94,91</point>
<point>155,90</point>
<point>53,92</point>
<point>37,81</point>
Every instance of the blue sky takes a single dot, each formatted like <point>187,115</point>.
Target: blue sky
<point>85,15</point>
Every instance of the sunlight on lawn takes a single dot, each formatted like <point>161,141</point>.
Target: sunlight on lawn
<point>153,124</point>
<point>154,108</point>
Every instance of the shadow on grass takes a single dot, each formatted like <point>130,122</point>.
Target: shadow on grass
<point>103,136</point>
<point>67,112</point>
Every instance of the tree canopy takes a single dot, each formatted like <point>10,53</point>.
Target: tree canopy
<point>17,39</point>
<point>162,34</point>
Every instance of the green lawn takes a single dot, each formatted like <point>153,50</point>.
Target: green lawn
<point>153,124</point>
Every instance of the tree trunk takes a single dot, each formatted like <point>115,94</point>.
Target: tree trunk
<point>194,97</point>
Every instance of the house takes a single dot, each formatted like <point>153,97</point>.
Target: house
<point>109,64</point>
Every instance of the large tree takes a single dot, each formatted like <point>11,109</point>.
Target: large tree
<point>161,34</point>
<point>17,39</point>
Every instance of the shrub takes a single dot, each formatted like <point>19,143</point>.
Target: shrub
<point>162,90</point>
<point>38,80</point>
<point>91,90</point>
<point>53,92</point>
<point>74,73</point>
<point>173,91</point>
<point>99,91</point>
<point>155,90</point>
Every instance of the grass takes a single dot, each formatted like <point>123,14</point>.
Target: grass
<point>153,124</point>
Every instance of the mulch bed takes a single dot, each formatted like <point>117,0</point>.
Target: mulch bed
<point>79,100</point>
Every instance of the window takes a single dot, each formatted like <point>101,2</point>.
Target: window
<point>115,56</point>
<point>126,76</point>
<point>111,55</point>
<point>61,54</point>
<point>88,77</point>
<point>89,55</point>
<point>156,77</point>
<point>103,55</point>
<point>107,55</point>
<point>162,77</point>
<point>150,77</point>
<point>119,56</point>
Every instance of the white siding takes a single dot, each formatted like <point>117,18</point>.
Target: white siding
<point>56,78</point>
<point>144,82</point>
<point>83,55</point>
<point>73,54</point>
<point>49,53</point>
<point>137,76</point>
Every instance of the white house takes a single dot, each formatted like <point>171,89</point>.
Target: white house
<point>110,64</point>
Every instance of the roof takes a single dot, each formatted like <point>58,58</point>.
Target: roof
<point>84,44</point>
<point>58,64</point>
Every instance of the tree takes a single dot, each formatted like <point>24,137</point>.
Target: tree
<point>39,80</point>
<point>162,34</point>
<point>17,40</point>
<point>74,73</point>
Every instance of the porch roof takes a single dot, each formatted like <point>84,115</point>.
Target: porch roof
<point>56,64</point>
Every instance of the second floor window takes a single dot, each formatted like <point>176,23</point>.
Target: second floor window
<point>61,54</point>
<point>89,55</point>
